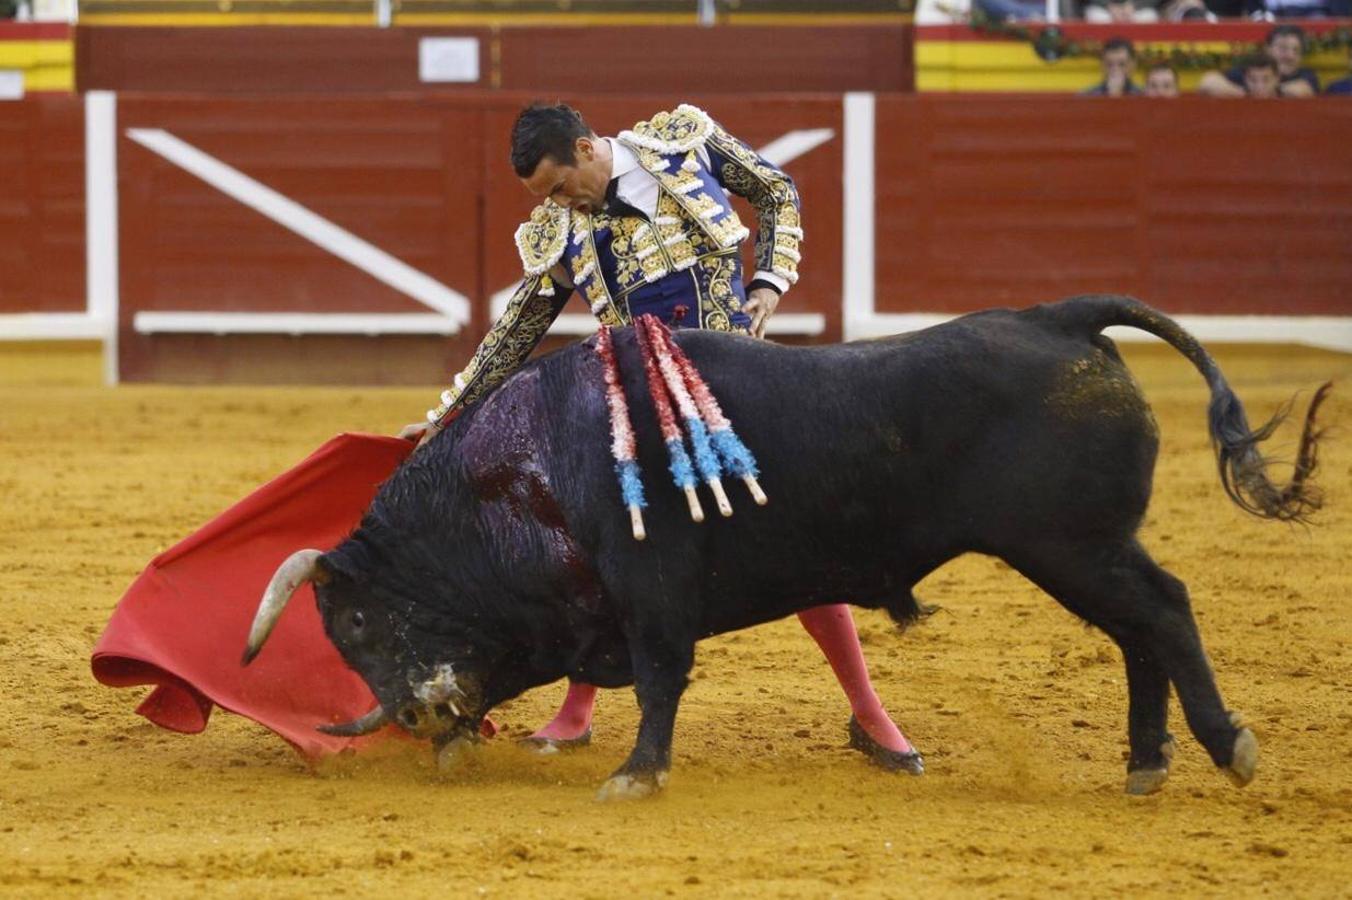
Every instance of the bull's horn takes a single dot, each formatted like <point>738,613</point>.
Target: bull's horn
<point>368,723</point>
<point>300,567</point>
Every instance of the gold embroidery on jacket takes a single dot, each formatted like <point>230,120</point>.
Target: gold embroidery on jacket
<point>638,256</point>
<point>717,300</point>
<point>509,342</point>
<point>542,238</point>
<point>684,128</point>
<point>680,238</point>
<point>779,228</point>
<point>719,223</point>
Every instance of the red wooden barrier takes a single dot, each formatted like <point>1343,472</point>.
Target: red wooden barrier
<point>424,179</point>
<point>274,59</point>
<point>1199,206</point>
<point>637,59</point>
<point>42,261</point>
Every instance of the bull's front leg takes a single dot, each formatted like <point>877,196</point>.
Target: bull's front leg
<point>661,673</point>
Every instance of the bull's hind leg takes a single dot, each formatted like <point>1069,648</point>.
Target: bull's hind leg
<point>1152,747</point>
<point>1118,588</point>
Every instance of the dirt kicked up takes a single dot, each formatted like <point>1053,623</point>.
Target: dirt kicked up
<point>1019,709</point>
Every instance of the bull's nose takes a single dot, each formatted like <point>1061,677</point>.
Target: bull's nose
<point>418,718</point>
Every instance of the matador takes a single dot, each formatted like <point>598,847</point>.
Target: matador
<point>642,223</point>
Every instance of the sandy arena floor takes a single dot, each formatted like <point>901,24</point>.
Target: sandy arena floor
<point>1019,710</point>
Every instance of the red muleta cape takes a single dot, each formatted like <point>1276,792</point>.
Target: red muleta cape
<point>183,623</point>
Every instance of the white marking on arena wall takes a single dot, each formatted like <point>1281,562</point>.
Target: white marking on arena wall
<point>370,324</point>
<point>788,147</point>
<point>857,279</point>
<point>309,225</point>
<point>101,234</point>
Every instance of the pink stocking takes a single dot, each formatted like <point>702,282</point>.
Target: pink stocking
<point>574,717</point>
<point>832,627</point>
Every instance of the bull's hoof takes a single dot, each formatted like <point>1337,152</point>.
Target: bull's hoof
<point>1244,759</point>
<point>631,787</point>
<point>1142,782</point>
<point>545,745</point>
<point>880,756</point>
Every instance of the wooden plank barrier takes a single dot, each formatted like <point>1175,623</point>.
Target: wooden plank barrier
<point>366,238</point>
<point>42,204</point>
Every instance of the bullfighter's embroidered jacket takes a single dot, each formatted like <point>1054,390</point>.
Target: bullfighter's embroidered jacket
<point>626,265</point>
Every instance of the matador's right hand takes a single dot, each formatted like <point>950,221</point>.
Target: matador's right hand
<point>422,432</point>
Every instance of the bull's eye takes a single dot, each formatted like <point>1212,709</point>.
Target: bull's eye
<point>358,620</point>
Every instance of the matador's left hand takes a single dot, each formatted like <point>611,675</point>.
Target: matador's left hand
<point>760,305</point>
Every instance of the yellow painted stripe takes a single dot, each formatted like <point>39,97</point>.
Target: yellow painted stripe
<point>811,19</point>
<point>55,79</point>
<point>1005,82</point>
<point>228,19</point>
<point>463,20</point>
<point>29,54</point>
<point>591,19</point>
<point>46,65</point>
<point>1013,66</point>
<point>483,20</point>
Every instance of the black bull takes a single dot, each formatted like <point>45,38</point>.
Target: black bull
<point>499,557</point>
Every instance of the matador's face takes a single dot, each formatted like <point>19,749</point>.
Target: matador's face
<point>580,186</point>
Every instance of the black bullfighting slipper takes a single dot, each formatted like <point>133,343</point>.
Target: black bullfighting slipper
<point>880,756</point>
<point>545,746</point>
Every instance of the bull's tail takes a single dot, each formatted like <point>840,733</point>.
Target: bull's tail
<point>1243,469</point>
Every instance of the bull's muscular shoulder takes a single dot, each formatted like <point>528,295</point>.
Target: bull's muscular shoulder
<point>501,432</point>
<point>511,468</point>
<point>678,131</point>
<point>507,434</point>
<point>542,238</point>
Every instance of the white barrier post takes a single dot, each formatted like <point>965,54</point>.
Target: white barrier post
<point>101,259</point>
<point>857,282</point>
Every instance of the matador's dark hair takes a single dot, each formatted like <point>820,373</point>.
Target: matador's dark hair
<point>542,131</point>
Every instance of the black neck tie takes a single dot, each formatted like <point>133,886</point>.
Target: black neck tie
<point>615,207</point>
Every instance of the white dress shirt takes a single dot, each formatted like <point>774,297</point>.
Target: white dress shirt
<point>638,188</point>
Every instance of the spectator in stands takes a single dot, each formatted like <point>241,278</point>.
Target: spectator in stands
<point>1186,11</point>
<point>1011,10</point>
<point>1285,46</point>
<point>1260,77</point>
<point>1118,61</point>
<point>1269,10</point>
<point>1230,9</point>
<point>1161,80</point>
<point>1117,11</point>
<point>1295,9</point>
